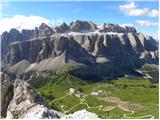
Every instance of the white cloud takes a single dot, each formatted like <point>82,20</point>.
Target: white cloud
<point>130,25</point>
<point>146,23</point>
<point>21,22</point>
<point>153,13</point>
<point>132,9</point>
<point>24,22</point>
<point>138,12</point>
<point>127,24</point>
<point>127,7</point>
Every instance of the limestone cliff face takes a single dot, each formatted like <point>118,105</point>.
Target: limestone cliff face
<point>43,48</point>
<point>12,36</point>
<point>84,47</point>
<point>109,50</point>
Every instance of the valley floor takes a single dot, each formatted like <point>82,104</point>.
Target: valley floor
<point>122,98</point>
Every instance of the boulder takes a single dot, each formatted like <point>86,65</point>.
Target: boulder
<point>81,114</point>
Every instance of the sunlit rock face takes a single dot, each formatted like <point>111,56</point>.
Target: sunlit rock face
<point>26,103</point>
<point>82,26</point>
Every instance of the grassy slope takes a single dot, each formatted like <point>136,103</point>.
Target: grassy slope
<point>139,91</point>
<point>135,91</point>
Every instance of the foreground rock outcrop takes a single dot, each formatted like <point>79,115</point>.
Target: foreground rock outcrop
<point>26,103</point>
<point>6,93</point>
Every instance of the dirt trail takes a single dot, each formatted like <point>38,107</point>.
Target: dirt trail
<point>122,104</point>
<point>126,106</point>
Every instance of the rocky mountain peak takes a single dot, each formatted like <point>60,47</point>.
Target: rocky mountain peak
<point>44,26</point>
<point>8,37</point>
<point>109,27</point>
<point>103,25</point>
<point>4,35</point>
<point>44,30</point>
<point>14,31</point>
<point>82,26</point>
<point>62,28</point>
<point>130,29</point>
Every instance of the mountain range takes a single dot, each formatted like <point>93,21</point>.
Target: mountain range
<point>86,50</point>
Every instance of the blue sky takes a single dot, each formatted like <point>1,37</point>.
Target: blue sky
<point>141,14</point>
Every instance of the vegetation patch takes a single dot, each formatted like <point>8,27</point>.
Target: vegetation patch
<point>68,94</point>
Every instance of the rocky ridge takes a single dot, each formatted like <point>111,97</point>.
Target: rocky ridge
<point>44,30</point>
<point>62,28</point>
<point>89,50</point>
<point>26,103</point>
